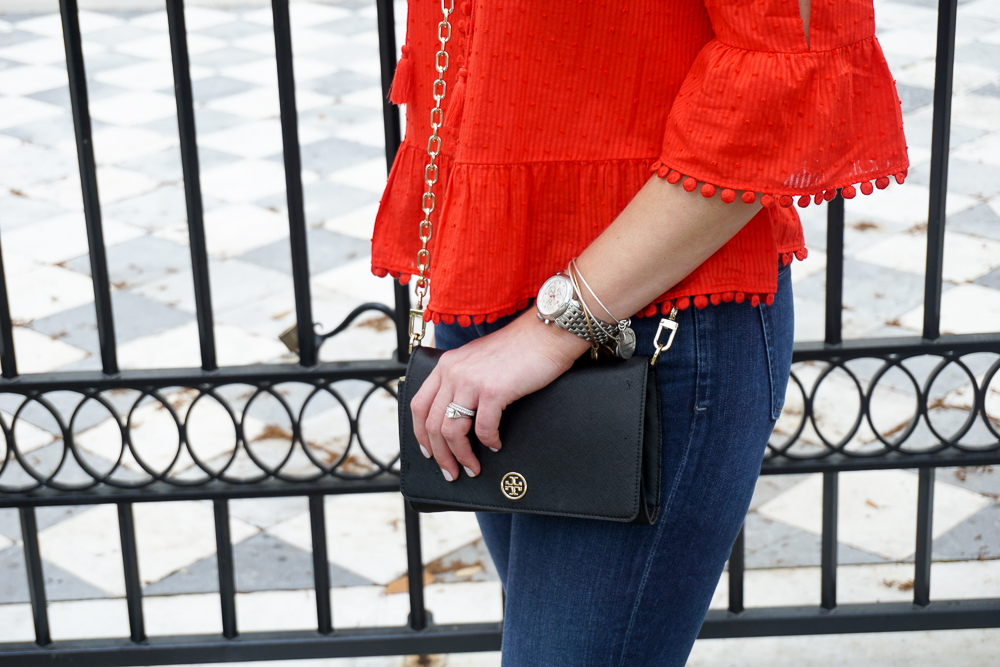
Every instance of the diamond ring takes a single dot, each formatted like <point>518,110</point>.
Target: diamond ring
<point>456,411</point>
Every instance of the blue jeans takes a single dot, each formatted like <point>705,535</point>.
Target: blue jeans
<point>585,593</point>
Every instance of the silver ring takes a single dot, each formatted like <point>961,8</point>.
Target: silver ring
<point>456,411</point>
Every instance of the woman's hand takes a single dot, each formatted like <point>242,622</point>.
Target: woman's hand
<point>487,375</point>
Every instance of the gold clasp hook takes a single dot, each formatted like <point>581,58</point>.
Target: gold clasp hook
<point>668,322</point>
<point>416,338</point>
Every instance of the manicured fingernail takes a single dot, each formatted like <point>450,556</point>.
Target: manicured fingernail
<point>423,450</point>
<point>447,475</point>
<point>494,449</point>
<point>468,471</point>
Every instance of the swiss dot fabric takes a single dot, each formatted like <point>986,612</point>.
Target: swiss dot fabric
<point>559,112</point>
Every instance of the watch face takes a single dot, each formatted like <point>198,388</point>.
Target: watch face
<point>554,296</point>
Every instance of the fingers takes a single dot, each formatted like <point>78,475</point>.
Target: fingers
<point>420,407</point>
<point>455,433</point>
<point>488,421</point>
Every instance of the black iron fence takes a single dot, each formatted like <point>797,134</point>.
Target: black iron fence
<point>304,470</point>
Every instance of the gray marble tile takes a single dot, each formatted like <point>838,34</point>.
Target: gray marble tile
<point>226,57</point>
<point>769,486</point>
<point>448,568</point>
<point>324,200</point>
<point>262,563</point>
<point>918,132</point>
<point>139,261</point>
<point>329,155</point>
<point>978,221</point>
<point>327,250</point>
<point>119,34</point>
<point>981,479</point>
<point>51,462</point>
<point>344,52</point>
<point>135,316</point>
<point>10,522</point>
<point>165,166</point>
<point>100,62</point>
<point>48,132</point>
<point>976,538</point>
<point>992,89</point>
<point>206,121</point>
<point>96,91</point>
<point>771,544</point>
<point>15,37</point>
<point>234,30</point>
<point>162,207</point>
<point>969,178</point>
<point>340,83</point>
<point>59,584</point>
<point>334,117</point>
<point>19,211</point>
<point>349,25</point>
<point>214,87</point>
<point>912,97</point>
<point>978,53</point>
<point>7,64</point>
<point>991,279</point>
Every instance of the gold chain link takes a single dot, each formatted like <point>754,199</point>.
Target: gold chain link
<point>430,177</point>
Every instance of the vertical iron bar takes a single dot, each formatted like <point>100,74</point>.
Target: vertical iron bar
<point>414,568</point>
<point>36,577</point>
<point>737,566</point>
<point>130,560</point>
<point>8,360</point>
<point>321,564</point>
<point>88,183</point>
<point>293,183</point>
<point>940,141</point>
<point>828,548</point>
<point>925,516</point>
<point>192,181</point>
<point>227,574</point>
<point>393,137</point>
<point>834,270</point>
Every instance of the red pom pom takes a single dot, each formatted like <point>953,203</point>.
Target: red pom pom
<point>673,177</point>
<point>767,201</point>
<point>715,299</point>
<point>404,279</point>
<point>448,319</point>
<point>492,317</point>
<point>786,258</point>
<point>740,297</point>
<point>900,177</point>
<point>478,319</point>
<point>818,198</point>
<point>381,273</point>
<point>848,192</point>
<point>434,318</point>
<point>467,8</point>
<point>801,253</point>
<point>666,306</point>
<point>754,300</point>
<point>683,303</point>
<point>649,310</point>
<point>727,297</point>
<point>866,188</point>
<point>656,166</point>
<point>830,194</point>
<point>522,304</point>
<point>785,201</point>
<point>749,197</point>
<point>882,182</point>
<point>708,190</point>
<point>690,184</point>
<point>804,201</point>
<point>769,300</point>
<point>464,320</point>
<point>700,301</point>
<point>663,171</point>
<point>728,196</point>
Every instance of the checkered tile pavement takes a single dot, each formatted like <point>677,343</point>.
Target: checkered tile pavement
<point>337,75</point>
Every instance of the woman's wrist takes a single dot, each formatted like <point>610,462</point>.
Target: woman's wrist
<point>556,343</point>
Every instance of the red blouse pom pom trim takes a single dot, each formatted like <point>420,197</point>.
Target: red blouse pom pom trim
<point>769,199</point>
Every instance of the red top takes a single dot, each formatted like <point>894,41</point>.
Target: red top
<point>559,112</point>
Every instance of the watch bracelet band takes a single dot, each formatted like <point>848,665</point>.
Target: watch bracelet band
<point>574,320</point>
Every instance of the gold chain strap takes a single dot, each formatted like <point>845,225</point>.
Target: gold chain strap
<point>430,177</point>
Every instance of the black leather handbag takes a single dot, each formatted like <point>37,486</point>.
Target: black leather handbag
<point>588,445</point>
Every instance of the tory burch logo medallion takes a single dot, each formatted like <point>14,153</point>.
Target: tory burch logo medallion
<point>514,486</point>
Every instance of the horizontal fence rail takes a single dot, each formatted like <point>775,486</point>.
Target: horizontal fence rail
<point>274,450</point>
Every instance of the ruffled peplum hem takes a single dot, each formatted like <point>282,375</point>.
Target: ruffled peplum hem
<point>836,112</point>
<point>504,229</point>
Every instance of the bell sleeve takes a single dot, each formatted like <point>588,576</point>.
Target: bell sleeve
<point>762,114</point>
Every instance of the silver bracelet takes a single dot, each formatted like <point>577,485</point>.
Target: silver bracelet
<point>576,269</point>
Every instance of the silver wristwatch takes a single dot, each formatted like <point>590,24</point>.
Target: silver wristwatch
<point>558,302</point>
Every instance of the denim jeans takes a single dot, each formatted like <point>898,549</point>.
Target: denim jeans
<point>585,593</point>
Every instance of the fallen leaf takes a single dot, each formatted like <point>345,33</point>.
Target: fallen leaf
<point>868,502</point>
<point>468,571</point>
<point>402,585</point>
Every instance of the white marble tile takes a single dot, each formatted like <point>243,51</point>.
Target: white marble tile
<point>117,144</point>
<point>266,611</point>
<point>244,181</point>
<point>45,290</point>
<point>255,140</point>
<point>877,509</point>
<point>260,72</point>
<point>38,353</point>
<point>232,230</point>
<point>965,257</point>
<point>201,17</point>
<point>366,534</point>
<point>306,14</point>
<point>357,280</point>
<point>991,37</point>
<point>977,648</point>
<point>88,546</point>
<point>5,542</point>
<point>88,619</point>
<point>266,512</point>
<point>979,111</point>
<point>133,108</point>
<point>16,623</point>
<point>18,110</point>
<point>897,15</point>
<point>986,9</point>
<point>465,602</point>
<point>28,436</point>
<point>905,203</point>
<point>359,223</point>
<point>968,76</point>
<point>368,98</point>
<point>370,66</point>
<point>199,614</point>
<point>234,283</point>
<point>368,607</point>
<point>964,309</point>
<point>36,52</point>
<point>31,79</point>
<point>65,238</point>
<point>148,76</point>
<point>814,263</point>
<point>371,133</point>
<point>985,149</point>
<point>157,47</point>
<point>23,164</point>
<point>369,175</point>
<point>179,348</point>
<point>113,183</point>
<point>263,103</point>
<point>913,42</point>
